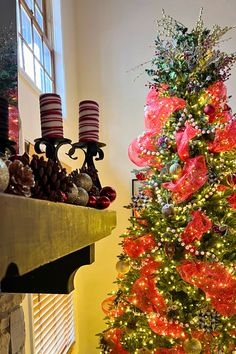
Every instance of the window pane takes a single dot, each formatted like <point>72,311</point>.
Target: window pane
<point>30,4</point>
<point>39,17</point>
<point>40,3</point>
<point>38,46</point>
<point>48,84</point>
<point>47,59</point>
<point>28,61</point>
<point>39,73</point>
<point>26,27</point>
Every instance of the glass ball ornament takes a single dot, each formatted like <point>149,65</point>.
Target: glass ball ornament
<point>82,198</point>
<point>108,192</point>
<point>84,181</point>
<point>192,346</point>
<point>103,202</point>
<point>92,201</point>
<point>122,267</point>
<point>209,109</point>
<point>73,194</point>
<point>175,169</point>
<point>4,176</point>
<point>168,210</point>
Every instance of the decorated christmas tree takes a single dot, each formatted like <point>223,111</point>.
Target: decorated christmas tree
<point>176,284</point>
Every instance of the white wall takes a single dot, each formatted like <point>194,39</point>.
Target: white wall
<point>113,37</point>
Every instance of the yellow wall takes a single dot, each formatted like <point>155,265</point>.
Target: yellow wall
<point>104,40</point>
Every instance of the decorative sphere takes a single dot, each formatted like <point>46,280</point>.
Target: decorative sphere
<point>209,109</point>
<point>122,267</point>
<point>83,180</point>
<point>108,192</point>
<point>4,176</point>
<point>82,198</point>
<point>175,169</point>
<point>73,194</point>
<point>192,346</point>
<point>92,201</point>
<point>103,202</point>
<point>168,210</point>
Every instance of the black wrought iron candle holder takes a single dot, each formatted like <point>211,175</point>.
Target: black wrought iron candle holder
<point>7,145</point>
<point>52,147</point>
<point>91,150</point>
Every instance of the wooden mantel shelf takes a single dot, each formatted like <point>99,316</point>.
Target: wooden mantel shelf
<point>43,242</point>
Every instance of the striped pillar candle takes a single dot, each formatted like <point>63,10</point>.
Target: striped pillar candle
<point>4,120</point>
<point>88,121</point>
<point>51,115</point>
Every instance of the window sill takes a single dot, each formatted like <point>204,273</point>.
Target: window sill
<point>42,243</point>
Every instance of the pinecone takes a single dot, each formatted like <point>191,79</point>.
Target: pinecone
<point>21,178</point>
<point>51,181</point>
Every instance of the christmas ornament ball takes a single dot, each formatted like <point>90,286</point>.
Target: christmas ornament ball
<point>209,109</point>
<point>84,181</point>
<point>175,169</point>
<point>168,210</point>
<point>103,202</point>
<point>192,346</point>
<point>122,267</point>
<point>92,201</point>
<point>82,198</point>
<point>4,176</point>
<point>108,192</point>
<point>73,194</point>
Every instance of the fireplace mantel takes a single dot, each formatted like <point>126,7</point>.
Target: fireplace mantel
<point>42,243</point>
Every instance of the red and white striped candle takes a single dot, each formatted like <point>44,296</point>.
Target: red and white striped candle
<point>88,121</point>
<point>51,115</point>
<point>4,118</point>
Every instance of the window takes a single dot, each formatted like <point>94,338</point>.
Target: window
<point>35,43</point>
<point>53,323</point>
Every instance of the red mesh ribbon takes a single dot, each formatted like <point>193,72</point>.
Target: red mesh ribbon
<point>110,310</point>
<point>139,246</point>
<point>146,297</point>
<point>177,349</point>
<point>194,176</point>
<point>217,283</point>
<point>157,112</point>
<point>165,328</point>
<point>182,139</point>
<point>140,219</point>
<point>136,150</point>
<point>232,200</point>
<point>149,266</point>
<point>218,97</point>
<point>113,337</point>
<point>196,227</point>
<point>225,139</point>
<point>152,96</point>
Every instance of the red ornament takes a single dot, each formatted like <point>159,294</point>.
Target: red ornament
<point>103,202</point>
<point>92,201</point>
<point>108,192</point>
<point>209,109</point>
<point>140,176</point>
